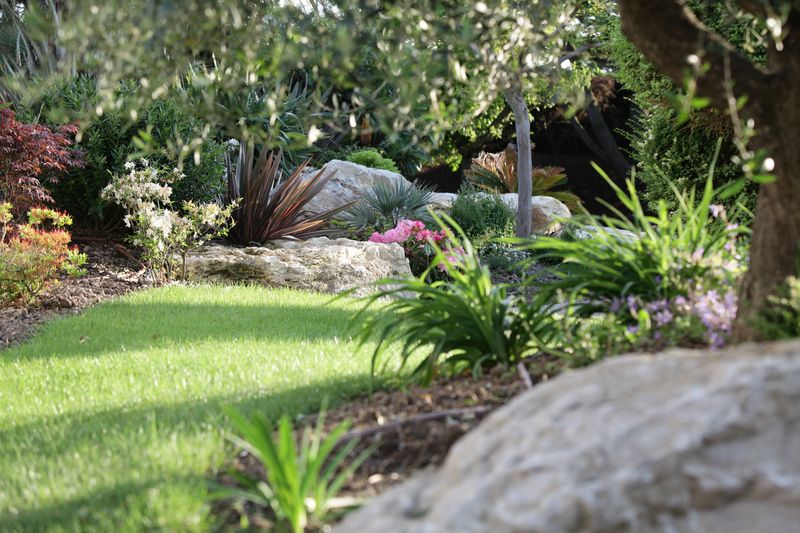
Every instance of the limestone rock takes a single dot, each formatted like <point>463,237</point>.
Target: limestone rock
<point>547,214</point>
<point>348,184</point>
<point>318,264</point>
<point>681,442</point>
<point>587,232</point>
<point>443,201</point>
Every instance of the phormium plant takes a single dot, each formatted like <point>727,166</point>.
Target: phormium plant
<point>269,205</point>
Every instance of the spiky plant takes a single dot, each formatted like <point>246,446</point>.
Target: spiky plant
<point>497,173</point>
<point>464,321</point>
<point>302,479</point>
<point>387,203</point>
<point>271,206</point>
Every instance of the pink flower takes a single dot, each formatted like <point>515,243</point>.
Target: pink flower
<point>377,237</point>
<point>405,229</point>
<point>453,257</point>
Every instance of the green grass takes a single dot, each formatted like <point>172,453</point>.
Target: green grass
<point>111,420</point>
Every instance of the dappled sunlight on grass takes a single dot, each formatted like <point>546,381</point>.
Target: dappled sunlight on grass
<point>112,419</point>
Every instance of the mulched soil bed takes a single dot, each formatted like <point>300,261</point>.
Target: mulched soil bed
<point>110,274</point>
<point>411,430</point>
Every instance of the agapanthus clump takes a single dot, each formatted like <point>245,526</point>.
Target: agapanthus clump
<point>162,232</point>
<point>35,254</point>
<point>416,241</point>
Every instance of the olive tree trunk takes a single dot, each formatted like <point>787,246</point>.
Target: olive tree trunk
<point>668,33</point>
<point>522,123</point>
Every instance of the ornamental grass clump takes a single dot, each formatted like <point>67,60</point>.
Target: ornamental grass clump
<point>386,204</point>
<point>163,233</point>
<point>462,322</point>
<point>35,254</point>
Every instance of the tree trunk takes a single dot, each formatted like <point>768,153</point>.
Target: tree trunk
<point>775,245</point>
<point>522,124</point>
<point>667,33</point>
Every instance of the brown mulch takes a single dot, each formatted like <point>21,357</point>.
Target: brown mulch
<point>110,273</point>
<point>410,430</point>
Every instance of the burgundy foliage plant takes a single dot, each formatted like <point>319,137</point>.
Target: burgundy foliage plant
<point>31,156</point>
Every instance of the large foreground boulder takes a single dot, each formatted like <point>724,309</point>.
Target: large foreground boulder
<point>681,442</point>
<point>318,264</point>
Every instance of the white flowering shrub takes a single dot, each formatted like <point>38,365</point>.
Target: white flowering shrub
<point>162,232</point>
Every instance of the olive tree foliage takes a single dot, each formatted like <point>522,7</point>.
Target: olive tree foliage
<point>408,65</point>
<point>475,51</point>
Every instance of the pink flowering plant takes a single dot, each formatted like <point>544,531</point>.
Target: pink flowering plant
<point>418,243</point>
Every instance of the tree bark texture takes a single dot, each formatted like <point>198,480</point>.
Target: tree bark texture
<point>667,33</point>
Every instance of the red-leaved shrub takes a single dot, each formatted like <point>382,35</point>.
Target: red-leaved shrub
<point>32,155</point>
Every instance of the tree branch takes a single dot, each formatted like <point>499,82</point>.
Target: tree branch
<point>578,51</point>
<point>667,33</point>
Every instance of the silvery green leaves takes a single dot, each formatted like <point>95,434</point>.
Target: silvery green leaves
<point>387,203</point>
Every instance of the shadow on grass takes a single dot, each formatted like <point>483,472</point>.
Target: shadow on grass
<point>133,326</point>
<point>118,431</point>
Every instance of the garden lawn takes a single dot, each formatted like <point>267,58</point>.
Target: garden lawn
<point>111,420</point>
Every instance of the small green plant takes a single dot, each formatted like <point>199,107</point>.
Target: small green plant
<point>33,255</point>
<point>465,321</point>
<point>386,203</point>
<point>650,257</point>
<point>301,482</point>
<point>372,158</point>
<point>268,205</point>
<point>482,216</point>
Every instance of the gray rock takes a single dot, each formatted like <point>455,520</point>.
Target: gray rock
<point>348,184</point>
<point>548,214</point>
<point>443,201</point>
<point>687,441</point>
<point>587,232</point>
<point>318,264</point>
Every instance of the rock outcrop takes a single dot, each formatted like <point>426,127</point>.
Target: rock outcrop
<point>318,264</point>
<point>548,214</point>
<point>687,441</point>
<point>350,181</point>
<point>348,184</point>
